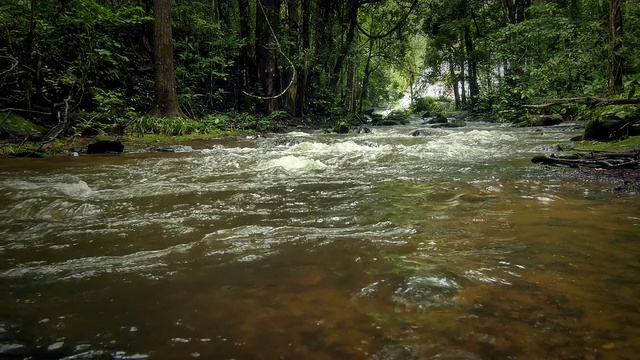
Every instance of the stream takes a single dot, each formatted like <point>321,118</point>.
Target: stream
<point>383,245</point>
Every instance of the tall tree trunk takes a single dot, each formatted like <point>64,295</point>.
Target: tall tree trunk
<point>351,85</point>
<point>472,67</point>
<point>615,61</point>
<point>303,74</point>
<point>267,26</point>
<point>365,78</point>
<point>166,96</point>
<point>292,92</point>
<point>245,61</point>
<point>352,16</point>
<point>454,83</point>
<point>463,87</point>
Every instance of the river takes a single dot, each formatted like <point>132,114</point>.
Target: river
<point>319,246</point>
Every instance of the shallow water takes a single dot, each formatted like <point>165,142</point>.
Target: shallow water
<point>373,246</point>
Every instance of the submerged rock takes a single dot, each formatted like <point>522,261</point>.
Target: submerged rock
<point>362,130</point>
<point>420,132</point>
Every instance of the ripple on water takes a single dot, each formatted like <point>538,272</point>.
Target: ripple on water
<point>88,267</point>
<point>427,291</point>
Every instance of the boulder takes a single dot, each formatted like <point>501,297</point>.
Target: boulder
<point>105,147</point>
<point>540,120</point>
<point>613,123</point>
<point>438,119</point>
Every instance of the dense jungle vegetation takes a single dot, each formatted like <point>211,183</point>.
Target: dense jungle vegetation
<point>153,66</point>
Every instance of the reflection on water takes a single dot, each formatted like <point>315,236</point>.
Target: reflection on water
<point>379,246</point>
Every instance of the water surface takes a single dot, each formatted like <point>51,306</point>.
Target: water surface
<point>373,246</point>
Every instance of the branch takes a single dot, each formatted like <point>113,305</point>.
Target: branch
<point>13,66</point>
<point>398,24</point>
<point>293,67</point>
<point>583,100</point>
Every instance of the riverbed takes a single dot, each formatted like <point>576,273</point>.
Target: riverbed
<point>449,245</point>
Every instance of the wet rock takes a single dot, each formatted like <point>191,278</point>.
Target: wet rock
<point>174,148</point>
<point>420,132</point>
<point>610,128</point>
<point>450,125</point>
<point>396,117</point>
<point>576,138</point>
<point>362,130</point>
<point>105,147</point>
<point>438,119</point>
<point>539,120</point>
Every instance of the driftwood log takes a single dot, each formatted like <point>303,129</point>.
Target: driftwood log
<point>546,103</point>
<point>593,159</point>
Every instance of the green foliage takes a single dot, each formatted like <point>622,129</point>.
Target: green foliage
<point>171,126</point>
<point>430,105</point>
<point>16,122</point>
<point>631,85</point>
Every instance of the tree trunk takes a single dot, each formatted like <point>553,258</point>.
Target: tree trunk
<point>454,83</point>
<point>365,79</point>
<point>352,16</point>
<point>245,61</point>
<point>292,91</point>
<point>615,61</point>
<point>472,67</point>
<point>166,97</point>
<point>303,73</point>
<point>266,49</point>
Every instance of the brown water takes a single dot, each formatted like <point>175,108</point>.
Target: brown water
<point>377,246</point>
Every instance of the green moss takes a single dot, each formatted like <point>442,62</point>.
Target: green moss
<point>18,123</point>
<point>628,144</point>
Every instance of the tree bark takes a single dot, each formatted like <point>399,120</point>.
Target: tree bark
<point>166,96</point>
<point>352,16</point>
<point>303,73</point>
<point>267,25</point>
<point>454,83</point>
<point>472,67</point>
<point>292,92</point>
<point>245,61</point>
<point>615,62</point>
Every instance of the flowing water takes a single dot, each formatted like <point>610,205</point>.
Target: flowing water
<point>314,246</point>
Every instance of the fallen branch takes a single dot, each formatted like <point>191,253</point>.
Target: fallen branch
<point>603,160</point>
<point>582,100</point>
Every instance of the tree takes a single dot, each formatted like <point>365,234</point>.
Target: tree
<point>166,96</point>
<point>267,29</point>
<point>615,60</point>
